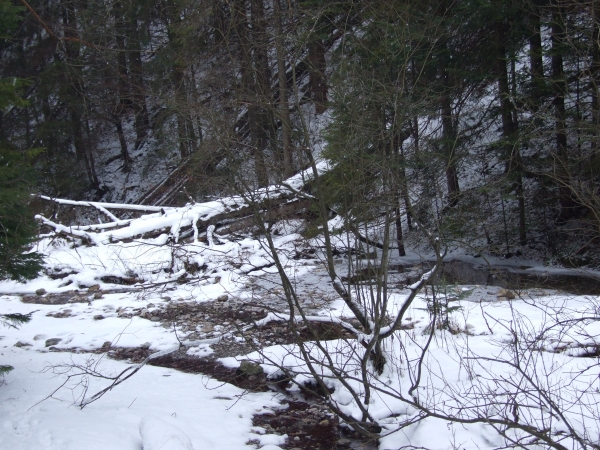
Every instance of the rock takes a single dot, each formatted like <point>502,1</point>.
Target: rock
<point>217,280</point>
<point>94,288</point>
<point>510,295</point>
<point>39,337</point>
<point>98,317</point>
<point>78,299</point>
<point>155,319</point>
<point>53,341</point>
<point>106,345</point>
<point>40,291</point>
<point>124,313</point>
<point>22,344</point>
<point>60,315</point>
<point>306,423</point>
<point>146,345</point>
<point>98,295</point>
<point>208,327</point>
<point>250,369</point>
<point>223,298</point>
<point>324,423</point>
<point>166,298</point>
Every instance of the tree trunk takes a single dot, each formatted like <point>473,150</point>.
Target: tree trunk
<point>595,72</point>
<point>509,124</point>
<point>122,142</point>
<point>284,109</point>
<point>138,91</point>
<point>559,86</point>
<point>249,93</point>
<point>449,140</point>
<point>264,130</point>
<point>122,72</point>
<point>185,132</point>
<point>317,66</point>
<point>76,88</point>
<point>448,131</point>
<point>186,143</point>
<point>536,62</point>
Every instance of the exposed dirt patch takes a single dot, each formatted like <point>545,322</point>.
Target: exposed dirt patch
<point>309,426</point>
<point>233,325</point>
<point>60,275</point>
<point>216,312</point>
<point>129,281</point>
<point>57,299</point>
<point>183,362</point>
<point>191,364</point>
<point>60,314</point>
<point>134,355</point>
<point>323,331</point>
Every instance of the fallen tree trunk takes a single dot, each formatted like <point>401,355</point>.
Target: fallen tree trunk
<point>276,202</point>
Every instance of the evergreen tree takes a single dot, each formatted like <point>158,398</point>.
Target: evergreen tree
<point>17,227</point>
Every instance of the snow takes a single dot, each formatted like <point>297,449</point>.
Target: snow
<point>38,411</point>
<point>157,434</point>
<point>163,408</point>
<point>482,347</point>
<point>210,413</point>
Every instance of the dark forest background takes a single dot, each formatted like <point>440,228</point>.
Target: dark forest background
<point>478,117</point>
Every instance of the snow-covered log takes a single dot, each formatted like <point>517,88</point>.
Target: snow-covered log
<point>102,205</point>
<point>236,211</point>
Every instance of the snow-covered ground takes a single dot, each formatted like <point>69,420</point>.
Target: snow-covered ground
<point>182,407</point>
<point>162,408</point>
<point>494,352</point>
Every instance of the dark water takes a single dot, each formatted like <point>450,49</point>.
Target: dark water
<point>458,272</point>
<point>515,278</point>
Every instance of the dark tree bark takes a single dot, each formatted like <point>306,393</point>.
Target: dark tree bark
<point>509,124</point>
<point>265,125</point>
<point>449,136</point>
<point>318,81</point>
<point>536,61</point>
<point>284,109</point>
<point>121,49</point>
<point>250,92</point>
<point>138,90</point>
<point>185,128</point>
<point>559,85</point>
<point>186,143</point>
<point>122,142</point>
<point>449,139</point>
<point>595,72</point>
<point>77,93</point>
